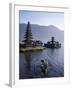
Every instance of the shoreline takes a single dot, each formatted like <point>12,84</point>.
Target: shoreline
<point>38,48</point>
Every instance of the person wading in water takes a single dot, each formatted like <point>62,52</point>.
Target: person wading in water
<point>44,68</point>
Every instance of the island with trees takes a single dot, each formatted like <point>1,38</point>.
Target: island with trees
<point>52,44</point>
<point>28,44</point>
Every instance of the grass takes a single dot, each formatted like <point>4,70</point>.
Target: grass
<point>32,48</point>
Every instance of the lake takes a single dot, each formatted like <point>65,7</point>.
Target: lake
<point>29,63</point>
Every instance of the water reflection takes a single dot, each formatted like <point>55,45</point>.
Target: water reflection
<point>28,60</point>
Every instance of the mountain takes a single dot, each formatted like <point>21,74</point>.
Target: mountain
<point>43,33</point>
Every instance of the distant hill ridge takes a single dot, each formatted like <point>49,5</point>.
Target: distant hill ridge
<point>43,33</point>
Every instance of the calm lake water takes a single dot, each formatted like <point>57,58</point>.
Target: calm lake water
<point>29,63</point>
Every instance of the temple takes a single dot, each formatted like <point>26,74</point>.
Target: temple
<point>53,43</point>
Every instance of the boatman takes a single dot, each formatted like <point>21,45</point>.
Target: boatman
<point>44,68</point>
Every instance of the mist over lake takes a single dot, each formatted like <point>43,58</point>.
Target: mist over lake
<point>43,33</point>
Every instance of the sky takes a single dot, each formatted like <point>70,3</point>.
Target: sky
<point>42,18</point>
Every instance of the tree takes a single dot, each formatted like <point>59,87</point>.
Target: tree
<point>28,35</point>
